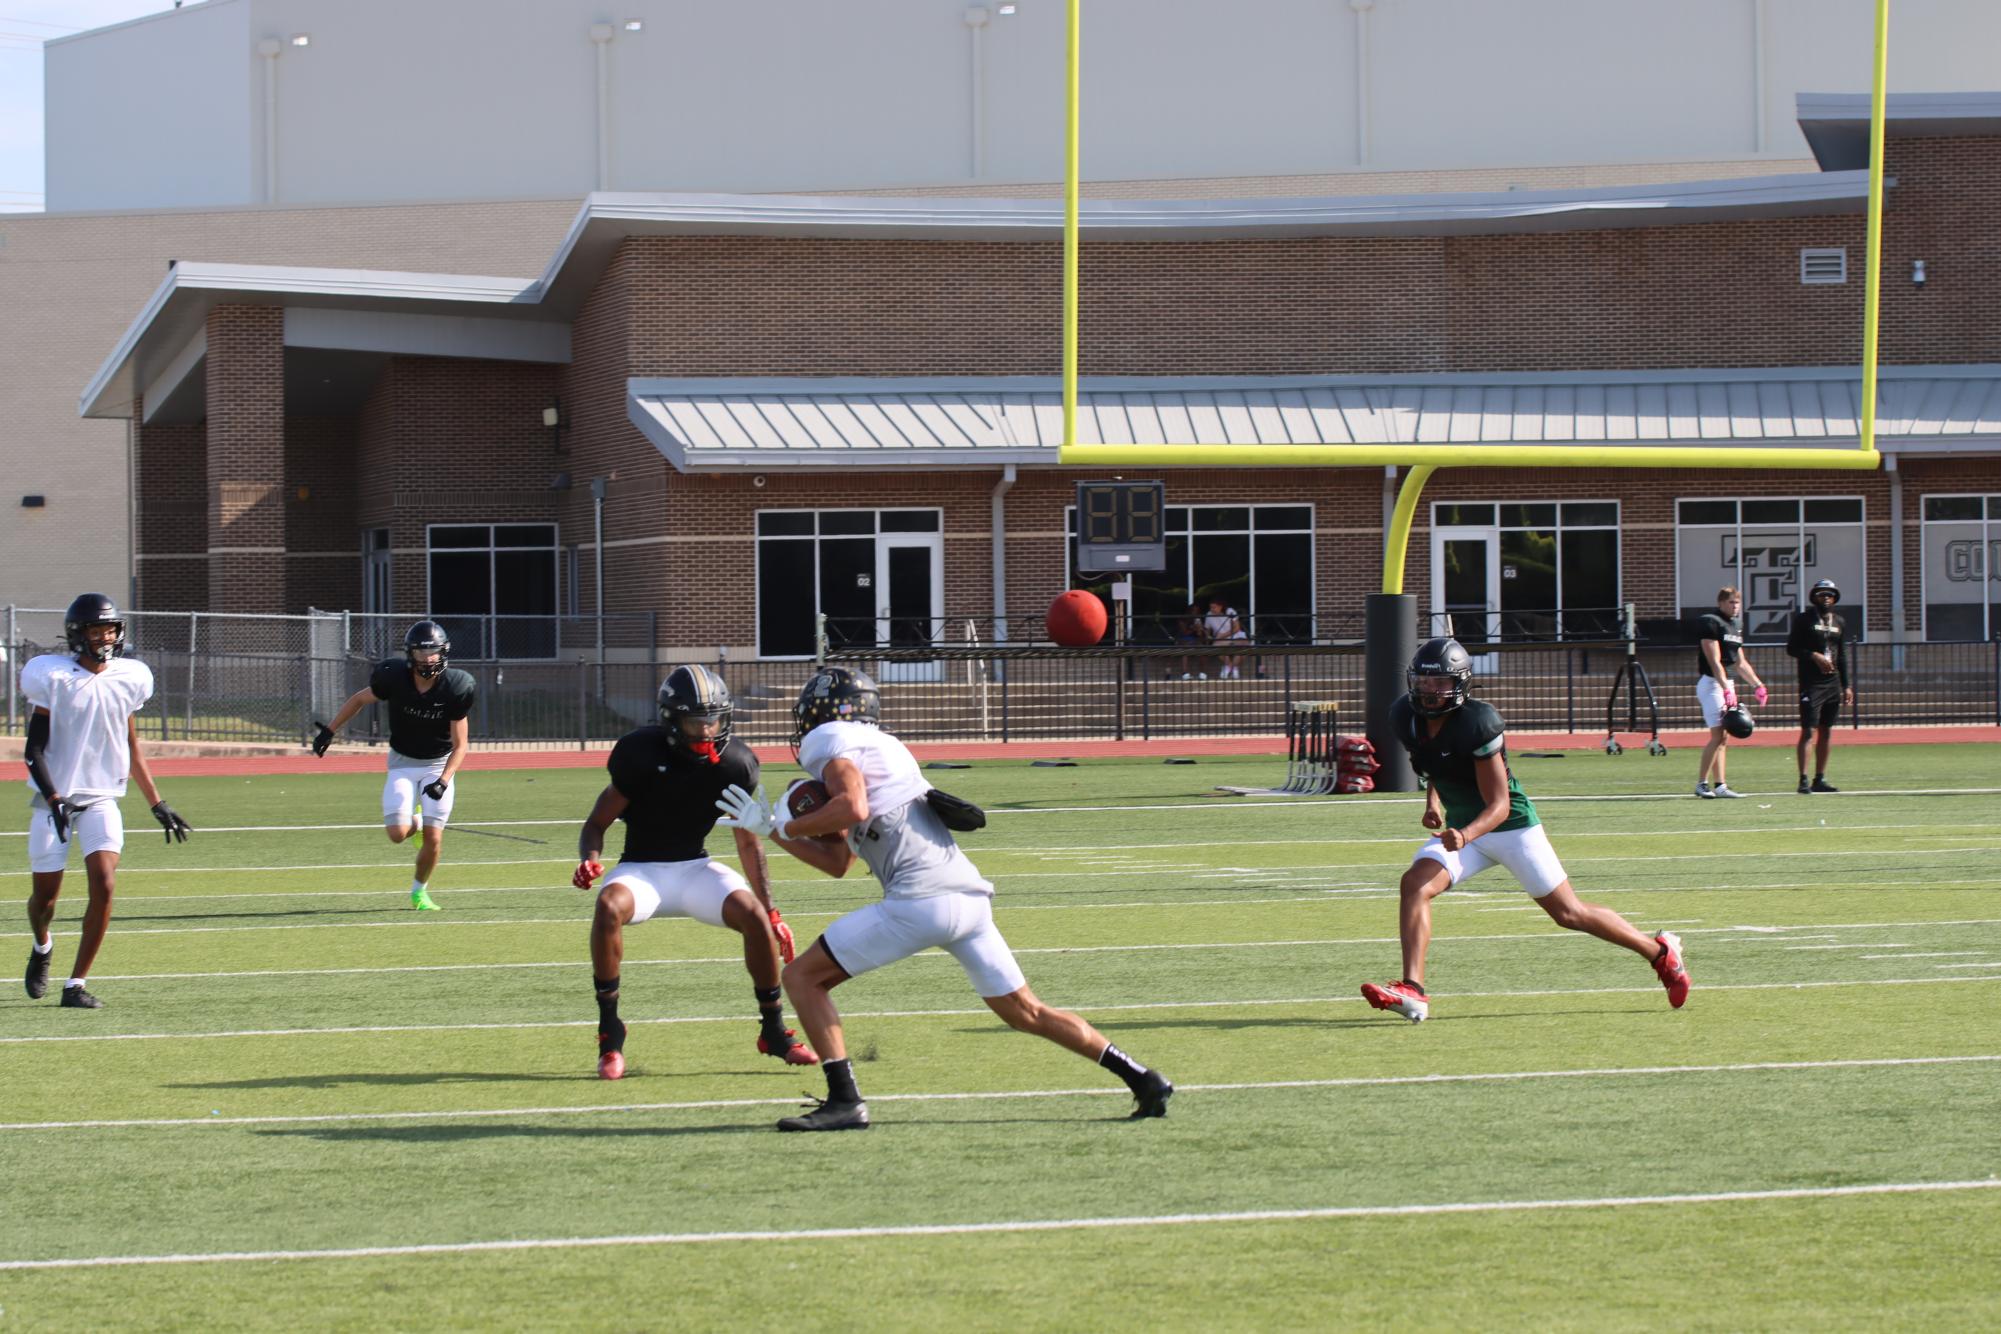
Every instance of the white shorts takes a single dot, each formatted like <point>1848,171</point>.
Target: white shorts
<point>404,789</point>
<point>677,889</point>
<point>960,924</point>
<point>1525,852</point>
<point>1710,695</point>
<point>99,828</point>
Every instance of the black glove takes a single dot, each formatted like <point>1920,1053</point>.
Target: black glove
<point>63,813</point>
<point>323,740</point>
<point>171,821</point>
<point>435,789</point>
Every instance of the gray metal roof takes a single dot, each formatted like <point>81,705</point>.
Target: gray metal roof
<point>1836,125</point>
<point>728,424</point>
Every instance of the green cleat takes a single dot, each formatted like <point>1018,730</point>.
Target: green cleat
<point>420,899</point>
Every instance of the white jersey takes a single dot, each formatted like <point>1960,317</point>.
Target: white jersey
<point>903,841</point>
<point>87,758</point>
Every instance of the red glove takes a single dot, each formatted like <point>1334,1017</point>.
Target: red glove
<point>787,948</point>
<point>586,872</point>
<point>1762,694</point>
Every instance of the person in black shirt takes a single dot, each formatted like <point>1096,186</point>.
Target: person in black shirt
<point>1818,639</point>
<point>664,785</point>
<point>1458,745</point>
<point>428,738</point>
<point>1720,652</point>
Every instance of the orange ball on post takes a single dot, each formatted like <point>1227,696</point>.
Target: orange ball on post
<point>1076,619</point>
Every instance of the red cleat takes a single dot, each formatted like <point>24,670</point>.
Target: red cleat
<point>611,1065</point>
<point>798,1053</point>
<point>1405,999</point>
<point>1671,969</point>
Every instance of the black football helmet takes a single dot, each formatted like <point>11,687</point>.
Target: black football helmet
<point>427,637</point>
<point>1737,722</point>
<point>1434,658</point>
<point>93,609</point>
<point>836,694</point>
<point>695,692</point>
<point>1827,586</point>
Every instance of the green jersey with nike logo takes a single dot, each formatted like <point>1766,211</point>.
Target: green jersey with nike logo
<point>1448,761</point>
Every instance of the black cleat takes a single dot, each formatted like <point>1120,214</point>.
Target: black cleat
<point>38,974</point>
<point>1805,787</point>
<point>829,1116</point>
<point>76,998</point>
<point>1150,1098</point>
<point>1822,785</point>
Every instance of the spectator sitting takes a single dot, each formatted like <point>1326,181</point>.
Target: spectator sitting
<point>1224,627</point>
<point>1190,628</point>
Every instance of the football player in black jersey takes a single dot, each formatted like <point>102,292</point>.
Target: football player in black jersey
<point>1818,639</point>
<point>1719,651</point>
<point>1458,746</point>
<point>428,737</point>
<point>664,785</point>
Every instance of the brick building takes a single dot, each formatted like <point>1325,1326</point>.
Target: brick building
<point>776,408</point>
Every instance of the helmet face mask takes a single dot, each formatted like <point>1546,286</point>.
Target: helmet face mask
<point>90,612</point>
<point>427,648</point>
<point>1439,678</point>
<point>835,694</point>
<point>696,694</point>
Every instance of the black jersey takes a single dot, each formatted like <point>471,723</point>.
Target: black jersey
<point>671,793</point>
<point>1814,631</point>
<point>1447,761</point>
<point>1728,632</point>
<point>420,721</point>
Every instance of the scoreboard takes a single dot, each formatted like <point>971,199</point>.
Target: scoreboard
<point>1121,526</point>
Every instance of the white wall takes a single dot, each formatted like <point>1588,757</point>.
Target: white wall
<point>395,100</point>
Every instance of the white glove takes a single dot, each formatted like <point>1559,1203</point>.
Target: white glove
<point>748,811</point>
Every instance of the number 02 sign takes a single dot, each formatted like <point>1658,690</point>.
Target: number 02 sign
<point>1121,526</point>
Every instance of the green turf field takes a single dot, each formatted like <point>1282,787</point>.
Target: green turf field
<point>291,1061</point>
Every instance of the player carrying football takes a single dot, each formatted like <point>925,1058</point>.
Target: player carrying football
<point>664,784</point>
<point>1458,746</point>
<point>428,738</point>
<point>82,744</point>
<point>881,810</point>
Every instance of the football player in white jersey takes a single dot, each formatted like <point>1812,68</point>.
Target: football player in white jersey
<point>882,812</point>
<point>82,746</point>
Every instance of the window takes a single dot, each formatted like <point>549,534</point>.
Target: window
<point>1525,570</point>
<point>1962,567</point>
<point>493,588</point>
<point>1773,550</point>
<point>1256,558</point>
<point>876,575</point>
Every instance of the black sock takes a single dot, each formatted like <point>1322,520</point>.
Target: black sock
<point>1418,987</point>
<point>1122,1065</point>
<point>771,1016</point>
<point>841,1081</point>
<point>609,1028</point>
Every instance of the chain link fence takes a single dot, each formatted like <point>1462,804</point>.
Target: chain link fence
<point>234,678</point>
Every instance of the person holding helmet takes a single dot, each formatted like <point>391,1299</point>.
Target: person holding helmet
<point>881,811</point>
<point>82,745</point>
<point>664,783</point>
<point>1818,640</point>
<point>1719,652</point>
<point>1481,817</point>
<point>428,739</point>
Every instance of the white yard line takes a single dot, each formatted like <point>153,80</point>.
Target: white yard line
<point>1114,1090</point>
<point>1814,985</point>
<point>1020,1225</point>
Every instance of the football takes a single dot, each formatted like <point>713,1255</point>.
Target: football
<point>805,795</point>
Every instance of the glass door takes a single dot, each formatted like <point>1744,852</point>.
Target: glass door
<point>910,602</point>
<point>1466,584</point>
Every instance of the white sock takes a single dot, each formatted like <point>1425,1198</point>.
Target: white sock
<point>416,887</point>
<point>73,982</point>
<point>45,946</point>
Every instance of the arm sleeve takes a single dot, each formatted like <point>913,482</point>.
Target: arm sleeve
<point>32,751</point>
<point>1798,643</point>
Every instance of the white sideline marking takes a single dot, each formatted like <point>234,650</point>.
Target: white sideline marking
<point>1692,926</point>
<point>1996,964</point>
<point>708,1104</point>
<point>1863,945</point>
<point>1020,1225</point>
<point>1814,985</point>
<point>1942,954</point>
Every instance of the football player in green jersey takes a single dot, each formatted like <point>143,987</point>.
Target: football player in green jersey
<point>1458,746</point>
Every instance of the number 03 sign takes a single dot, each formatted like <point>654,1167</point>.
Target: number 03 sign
<point>1121,526</point>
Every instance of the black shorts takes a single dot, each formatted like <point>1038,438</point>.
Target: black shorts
<point>1819,708</point>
